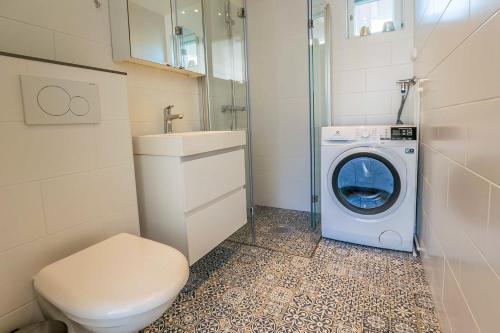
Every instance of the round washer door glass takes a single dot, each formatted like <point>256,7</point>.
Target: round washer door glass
<point>366,183</point>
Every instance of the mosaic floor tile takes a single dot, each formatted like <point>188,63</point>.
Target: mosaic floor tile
<point>341,288</point>
<point>280,230</point>
<point>289,282</point>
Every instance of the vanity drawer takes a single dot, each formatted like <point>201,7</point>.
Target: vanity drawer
<point>207,228</point>
<point>208,178</point>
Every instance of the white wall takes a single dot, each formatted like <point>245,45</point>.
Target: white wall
<point>459,47</point>
<point>62,188</point>
<point>75,31</point>
<point>279,96</point>
<point>365,70</point>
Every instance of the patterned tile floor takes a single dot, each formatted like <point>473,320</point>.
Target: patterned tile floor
<point>282,230</point>
<point>341,288</point>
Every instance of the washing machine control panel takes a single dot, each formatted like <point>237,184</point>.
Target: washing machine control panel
<point>368,133</point>
<point>403,133</point>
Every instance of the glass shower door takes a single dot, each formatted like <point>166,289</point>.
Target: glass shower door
<point>319,94</point>
<point>227,75</point>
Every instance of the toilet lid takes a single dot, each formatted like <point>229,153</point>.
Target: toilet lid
<point>119,277</point>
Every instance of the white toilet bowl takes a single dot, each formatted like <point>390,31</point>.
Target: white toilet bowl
<point>119,285</point>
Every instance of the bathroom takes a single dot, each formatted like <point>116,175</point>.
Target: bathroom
<point>239,218</point>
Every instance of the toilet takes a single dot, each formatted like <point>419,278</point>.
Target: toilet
<point>121,284</point>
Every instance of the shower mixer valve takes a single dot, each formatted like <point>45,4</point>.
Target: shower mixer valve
<point>406,84</point>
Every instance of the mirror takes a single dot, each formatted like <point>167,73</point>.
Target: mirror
<point>168,34</point>
<point>190,33</point>
<point>151,32</point>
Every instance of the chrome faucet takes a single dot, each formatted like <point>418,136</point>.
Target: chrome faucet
<point>168,117</point>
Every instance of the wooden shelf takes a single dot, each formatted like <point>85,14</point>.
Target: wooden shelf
<point>165,67</point>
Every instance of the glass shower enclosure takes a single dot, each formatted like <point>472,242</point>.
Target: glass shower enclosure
<point>227,85</point>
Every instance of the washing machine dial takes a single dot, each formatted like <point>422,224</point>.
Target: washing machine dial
<point>365,134</point>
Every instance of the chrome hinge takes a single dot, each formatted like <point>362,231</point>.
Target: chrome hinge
<point>178,30</point>
<point>241,13</point>
<point>251,211</point>
<point>311,24</point>
<point>314,198</point>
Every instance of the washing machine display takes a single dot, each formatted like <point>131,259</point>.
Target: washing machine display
<point>366,183</point>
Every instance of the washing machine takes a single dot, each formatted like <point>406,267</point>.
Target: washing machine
<point>369,185</point>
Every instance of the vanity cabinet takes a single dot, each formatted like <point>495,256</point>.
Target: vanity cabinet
<point>166,34</point>
<point>191,188</point>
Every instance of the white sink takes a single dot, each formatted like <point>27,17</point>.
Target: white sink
<point>187,143</point>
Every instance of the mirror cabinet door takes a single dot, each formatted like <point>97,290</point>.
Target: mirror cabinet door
<point>188,28</point>
<point>151,34</point>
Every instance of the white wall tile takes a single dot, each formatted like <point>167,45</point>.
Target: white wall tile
<point>482,121</point>
<point>435,171</point>
<point>279,95</point>
<point>116,190</point>
<point>444,225</point>
<point>70,200</point>
<point>349,81</point>
<point>28,313</point>
<point>366,103</point>
<point>481,288</point>
<point>10,92</point>
<point>434,262</point>
<point>20,264</point>
<point>456,41</point>
<point>401,52</point>
<point>56,150</point>
<point>366,66</point>
<point>21,215</point>
<point>377,54</point>
<point>113,143</point>
<point>21,38</point>
<point>446,131</point>
<point>388,119</point>
<point>342,120</point>
<point>145,128</point>
<point>456,306</point>
<point>77,50</point>
<point>468,202</point>
<point>78,18</point>
<point>450,31</point>
<point>126,222</point>
<point>491,247</point>
<point>348,58</point>
<point>384,78</point>
<point>480,10</point>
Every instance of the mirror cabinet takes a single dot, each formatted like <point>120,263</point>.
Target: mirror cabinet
<point>167,34</point>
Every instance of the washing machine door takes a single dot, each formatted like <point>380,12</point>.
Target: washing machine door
<point>367,182</point>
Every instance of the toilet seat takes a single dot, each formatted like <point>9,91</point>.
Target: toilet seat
<point>121,277</point>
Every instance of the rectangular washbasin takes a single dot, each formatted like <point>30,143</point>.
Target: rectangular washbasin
<point>187,143</point>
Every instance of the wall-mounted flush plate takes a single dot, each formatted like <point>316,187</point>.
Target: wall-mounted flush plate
<point>56,101</point>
